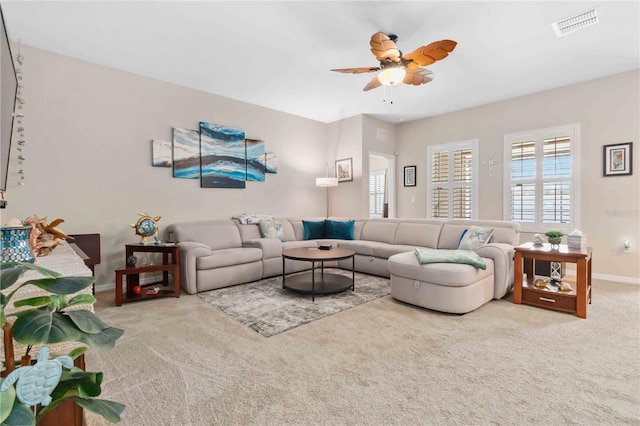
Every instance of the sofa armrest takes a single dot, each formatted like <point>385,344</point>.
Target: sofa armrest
<point>189,253</point>
<point>502,256</point>
<point>271,247</point>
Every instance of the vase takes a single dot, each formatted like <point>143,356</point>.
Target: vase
<point>555,240</point>
<point>14,244</point>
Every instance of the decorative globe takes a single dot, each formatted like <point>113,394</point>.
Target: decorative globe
<point>146,226</point>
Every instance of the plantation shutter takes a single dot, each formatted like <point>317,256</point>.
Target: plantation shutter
<point>452,188</point>
<point>440,180</point>
<point>523,174</point>
<point>541,180</point>
<point>376,193</point>
<point>556,173</point>
<point>462,169</point>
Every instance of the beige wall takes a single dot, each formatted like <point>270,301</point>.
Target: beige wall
<point>608,111</point>
<point>89,129</point>
<point>88,154</point>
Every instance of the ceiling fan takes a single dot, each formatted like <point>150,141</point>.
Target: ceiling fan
<point>395,67</point>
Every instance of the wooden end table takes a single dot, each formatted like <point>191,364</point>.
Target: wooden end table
<point>170,264</point>
<point>575,301</point>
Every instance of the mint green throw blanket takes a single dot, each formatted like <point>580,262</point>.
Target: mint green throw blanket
<point>450,256</point>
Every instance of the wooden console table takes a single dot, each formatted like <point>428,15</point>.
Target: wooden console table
<point>64,260</point>
<point>170,264</point>
<point>575,301</point>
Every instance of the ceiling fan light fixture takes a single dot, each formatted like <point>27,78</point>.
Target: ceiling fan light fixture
<point>391,76</point>
<point>577,22</point>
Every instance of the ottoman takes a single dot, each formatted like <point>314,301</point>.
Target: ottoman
<point>445,287</point>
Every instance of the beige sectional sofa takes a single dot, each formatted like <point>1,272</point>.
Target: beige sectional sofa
<point>219,253</point>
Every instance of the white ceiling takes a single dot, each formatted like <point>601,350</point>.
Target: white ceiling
<point>278,54</point>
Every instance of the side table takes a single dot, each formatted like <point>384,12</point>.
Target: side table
<point>170,264</point>
<point>549,297</point>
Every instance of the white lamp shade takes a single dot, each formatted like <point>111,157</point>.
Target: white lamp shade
<point>391,75</point>
<point>326,182</point>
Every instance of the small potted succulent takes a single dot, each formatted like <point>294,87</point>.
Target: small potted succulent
<point>555,237</point>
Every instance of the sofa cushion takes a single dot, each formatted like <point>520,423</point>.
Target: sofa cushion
<point>423,234</point>
<point>385,251</point>
<point>379,230</point>
<point>359,246</point>
<point>217,234</point>
<point>297,244</point>
<point>339,230</point>
<point>474,238</point>
<point>272,229</point>
<point>313,230</point>
<point>406,265</point>
<point>229,257</point>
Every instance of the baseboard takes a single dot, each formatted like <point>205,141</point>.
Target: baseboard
<point>607,277</point>
<point>572,273</point>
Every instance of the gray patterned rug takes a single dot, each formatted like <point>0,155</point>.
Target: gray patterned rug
<point>265,307</point>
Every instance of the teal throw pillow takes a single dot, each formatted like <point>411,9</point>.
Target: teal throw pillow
<point>313,230</point>
<point>339,230</point>
<point>474,238</point>
<point>272,229</point>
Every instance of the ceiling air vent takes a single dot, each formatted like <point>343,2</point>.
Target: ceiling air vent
<point>577,22</point>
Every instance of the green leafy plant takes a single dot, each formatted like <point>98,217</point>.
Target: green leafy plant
<point>554,234</point>
<point>50,321</point>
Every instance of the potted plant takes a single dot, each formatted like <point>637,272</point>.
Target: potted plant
<point>48,320</point>
<point>555,237</point>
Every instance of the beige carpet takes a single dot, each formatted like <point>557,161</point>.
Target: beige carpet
<point>180,362</point>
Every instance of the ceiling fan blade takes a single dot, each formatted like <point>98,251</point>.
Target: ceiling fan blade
<point>427,55</point>
<point>357,70</point>
<point>417,76</point>
<point>372,84</point>
<point>384,48</point>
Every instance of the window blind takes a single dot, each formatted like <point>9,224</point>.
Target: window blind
<point>451,180</point>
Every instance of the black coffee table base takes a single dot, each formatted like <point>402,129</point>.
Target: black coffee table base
<point>317,281</point>
<point>320,283</point>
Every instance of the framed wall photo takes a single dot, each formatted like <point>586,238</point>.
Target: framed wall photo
<point>617,159</point>
<point>410,176</point>
<point>344,170</point>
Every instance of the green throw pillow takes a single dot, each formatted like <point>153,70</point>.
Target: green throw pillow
<point>474,238</point>
<point>272,229</point>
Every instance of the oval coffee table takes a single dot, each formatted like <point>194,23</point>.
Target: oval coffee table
<point>318,282</point>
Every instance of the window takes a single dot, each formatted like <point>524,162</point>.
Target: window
<point>376,193</point>
<point>452,185</point>
<point>540,178</point>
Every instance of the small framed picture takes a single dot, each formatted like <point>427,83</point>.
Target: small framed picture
<point>410,176</point>
<point>344,170</point>
<point>617,159</point>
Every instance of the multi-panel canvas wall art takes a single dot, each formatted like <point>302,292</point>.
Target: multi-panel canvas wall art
<point>186,153</point>
<point>160,153</point>
<point>271,162</point>
<point>223,157</point>
<point>220,156</point>
<point>255,160</point>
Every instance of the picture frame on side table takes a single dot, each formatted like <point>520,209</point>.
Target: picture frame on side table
<point>617,159</point>
<point>344,170</point>
<point>410,175</point>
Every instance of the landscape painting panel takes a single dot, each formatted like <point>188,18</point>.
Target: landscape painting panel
<point>186,153</point>
<point>271,162</point>
<point>223,160</point>
<point>160,153</point>
<point>255,160</point>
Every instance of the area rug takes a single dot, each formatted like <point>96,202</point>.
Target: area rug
<point>265,307</point>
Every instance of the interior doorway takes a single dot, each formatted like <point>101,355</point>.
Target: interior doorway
<point>381,185</point>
